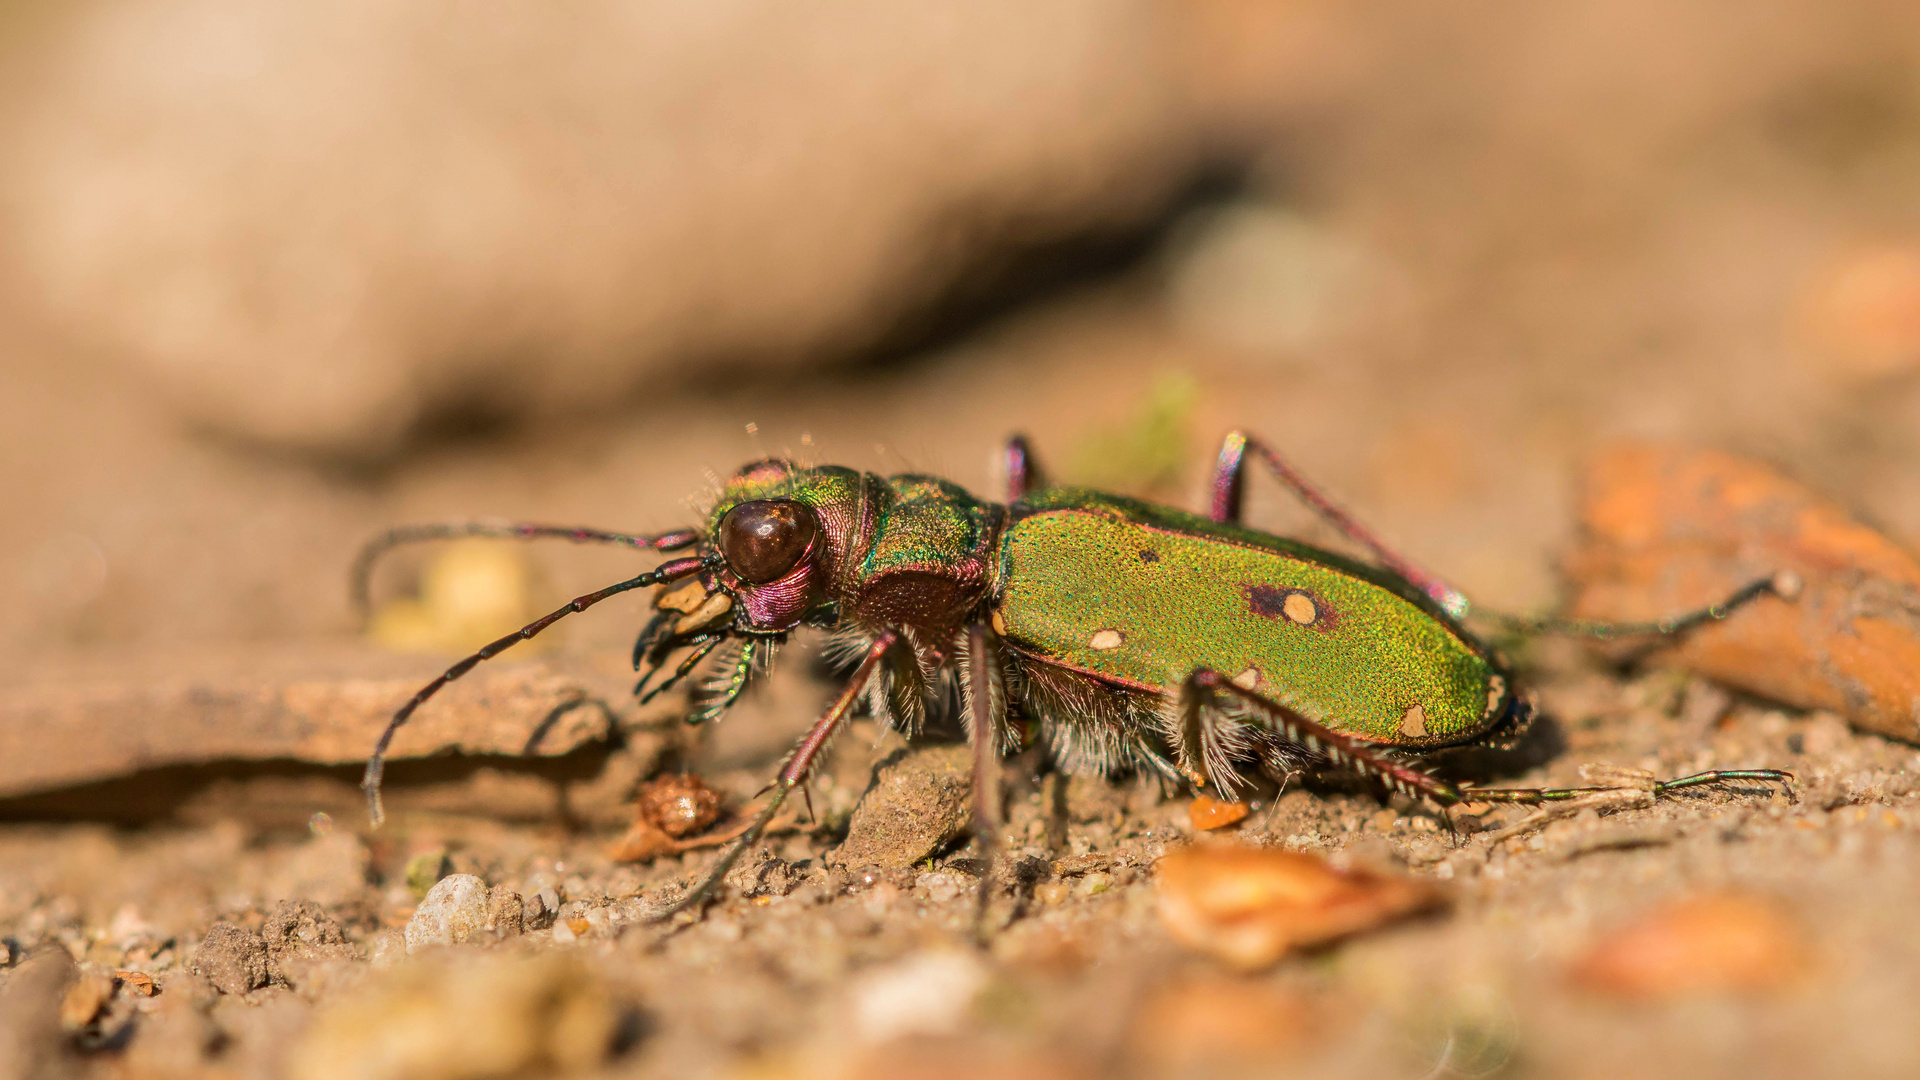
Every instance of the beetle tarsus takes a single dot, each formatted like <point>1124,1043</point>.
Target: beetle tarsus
<point>1646,785</point>
<point>1786,585</point>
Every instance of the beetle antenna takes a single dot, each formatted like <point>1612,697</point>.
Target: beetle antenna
<point>1786,585</point>
<point>376,764</point>
<point>362,571</point>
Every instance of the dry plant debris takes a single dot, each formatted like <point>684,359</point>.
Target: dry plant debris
<point>1208,813</point>
<point>1704,944</point>
<point>1250,906</point>
<point>1669,529</point>
<point>85,998</point>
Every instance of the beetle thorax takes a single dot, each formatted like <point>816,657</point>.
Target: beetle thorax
<point>927,565</point>
<point>898,552</point>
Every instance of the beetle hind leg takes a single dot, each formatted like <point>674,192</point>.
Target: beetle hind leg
<point>1229,484</point>
<point>1208,740</point>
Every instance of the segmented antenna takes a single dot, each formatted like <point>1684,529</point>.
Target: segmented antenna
<point>376,764</point>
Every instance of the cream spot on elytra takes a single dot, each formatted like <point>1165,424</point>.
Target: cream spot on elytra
<point>999,623</point>
<point>1414,723</point>
<point>1247,679</point>
<point>1299,607</point>
<point>1496,689</point>
<point>1105,639</point>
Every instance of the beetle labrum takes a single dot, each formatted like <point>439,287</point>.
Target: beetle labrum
<point>1129,635</point>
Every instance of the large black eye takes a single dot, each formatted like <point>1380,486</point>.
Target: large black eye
<point>763,539</point>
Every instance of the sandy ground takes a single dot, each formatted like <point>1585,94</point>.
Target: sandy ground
<point>1438,316</point>
<point>836,970</point>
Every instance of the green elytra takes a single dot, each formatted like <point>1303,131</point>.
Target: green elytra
<point>1125,635</point>
<point>1140,596</point>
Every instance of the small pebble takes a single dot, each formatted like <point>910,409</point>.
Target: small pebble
<point>506,914</point>
<point>940,885</point>
<point>232,959</point>
<point>454,911</point>
<point>925,994</point>
<point>918,802</point>
<point>1052,892</point>
<point>1094,884</point>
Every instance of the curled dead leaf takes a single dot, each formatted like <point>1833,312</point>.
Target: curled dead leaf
<point>1668,529</point>
<point>1249,906</point>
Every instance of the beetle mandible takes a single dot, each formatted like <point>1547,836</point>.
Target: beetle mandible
<point>1130,635</point>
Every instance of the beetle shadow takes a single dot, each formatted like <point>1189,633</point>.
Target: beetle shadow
<point>1542,741</point>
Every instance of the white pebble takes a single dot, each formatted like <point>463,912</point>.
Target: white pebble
<point>454,911</point>
<point>928,994</point>
<point>941,886</point>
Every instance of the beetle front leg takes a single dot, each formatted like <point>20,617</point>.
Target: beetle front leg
<point>1229,483</point>
<point>793,772</point>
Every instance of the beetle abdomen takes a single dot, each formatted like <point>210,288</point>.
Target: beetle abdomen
<point>1143,603</point>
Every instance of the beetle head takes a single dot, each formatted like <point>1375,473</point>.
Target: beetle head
<point>780,531</point>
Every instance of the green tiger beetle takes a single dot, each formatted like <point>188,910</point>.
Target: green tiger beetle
<point>1126,635</point>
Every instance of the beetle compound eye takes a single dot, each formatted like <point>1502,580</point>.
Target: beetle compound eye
<point>763,539</point>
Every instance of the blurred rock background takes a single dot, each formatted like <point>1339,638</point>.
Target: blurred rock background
<point>275,275</point>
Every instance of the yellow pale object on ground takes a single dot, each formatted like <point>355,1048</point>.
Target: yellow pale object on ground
<point>471,593</point>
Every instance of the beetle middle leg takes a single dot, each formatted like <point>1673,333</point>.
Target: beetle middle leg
<point>1207,747</point>
<point>986,706</point>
